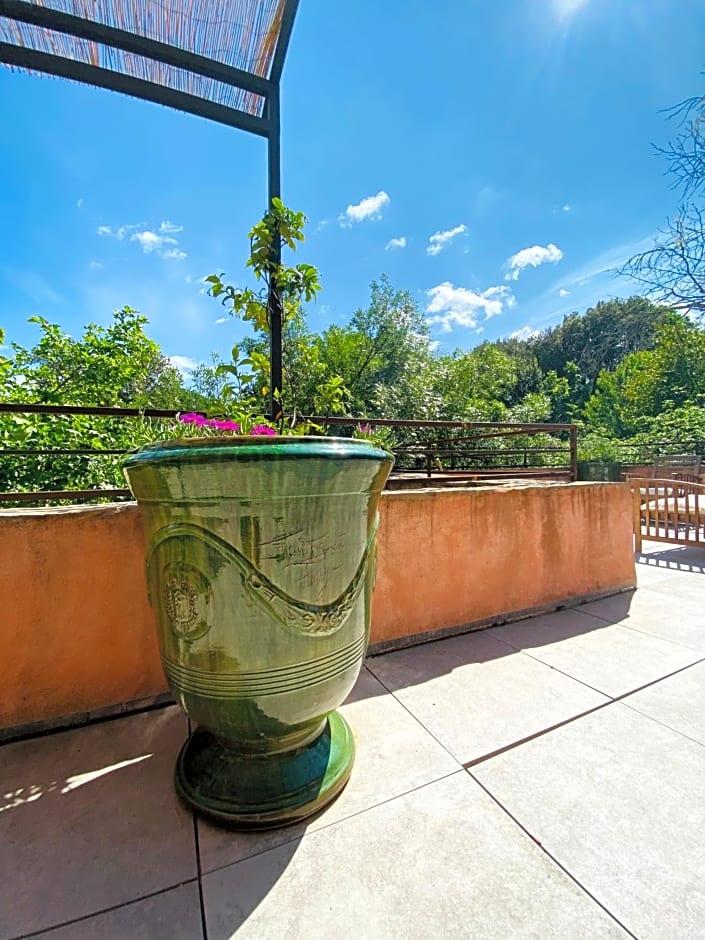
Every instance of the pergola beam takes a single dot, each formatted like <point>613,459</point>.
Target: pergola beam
<point>129,85</point>
<point>49,18</point>
<point>287,24</point>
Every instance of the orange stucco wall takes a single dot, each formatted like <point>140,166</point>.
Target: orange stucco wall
<point>78,635</point>
<point>451,557</point>
<point>76,628</point>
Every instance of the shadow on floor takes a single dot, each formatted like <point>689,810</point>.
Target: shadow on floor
<point>686,558</point>
<point>89,821</point>
<point>418,664</point>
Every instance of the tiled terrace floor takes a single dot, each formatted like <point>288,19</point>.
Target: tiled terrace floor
<point>544,779</point>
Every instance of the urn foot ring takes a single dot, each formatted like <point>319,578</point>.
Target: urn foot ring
<point>246,791</point>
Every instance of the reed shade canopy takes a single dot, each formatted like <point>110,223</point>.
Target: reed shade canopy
<point>218,59</point>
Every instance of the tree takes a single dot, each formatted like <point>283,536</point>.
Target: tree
<point>205,379</point>
<point>561,392</point>
<point>684,423</point>
<point>673,271</point>
<point>477,385</point>
<point>614,407</point>
<point>4,361</point>
<point>378,350</point>
<point>114,365</point>
<point>647,383</point>
<point>528,371</point>
<point>117,365</point>
<point>417,393</point>
<point>597,340</point>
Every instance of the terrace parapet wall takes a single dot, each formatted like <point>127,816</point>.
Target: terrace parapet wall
<point>78,632</point>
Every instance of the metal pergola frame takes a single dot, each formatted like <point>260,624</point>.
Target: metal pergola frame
<point>268,125</point>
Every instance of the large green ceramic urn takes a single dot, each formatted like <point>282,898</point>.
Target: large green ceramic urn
<point>260,566</point>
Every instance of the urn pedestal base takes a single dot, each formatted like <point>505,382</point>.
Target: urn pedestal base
<point>262,791</point>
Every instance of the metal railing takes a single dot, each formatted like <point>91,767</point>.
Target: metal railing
<point>45,459</point>
<point>439,451</point>
<point>643,453</point>
<point>458,449</point>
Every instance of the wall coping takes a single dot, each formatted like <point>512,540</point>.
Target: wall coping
<point>415,492</point>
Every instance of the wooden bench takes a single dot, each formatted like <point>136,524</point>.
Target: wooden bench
<point>668,510</point>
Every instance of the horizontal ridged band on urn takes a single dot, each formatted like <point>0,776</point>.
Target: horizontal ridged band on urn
<point>265,682</point>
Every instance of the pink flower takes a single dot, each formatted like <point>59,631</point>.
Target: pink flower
<point>224,425</point>
<point>191,417</point>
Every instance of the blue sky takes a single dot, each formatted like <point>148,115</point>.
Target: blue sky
<point>493,157</point>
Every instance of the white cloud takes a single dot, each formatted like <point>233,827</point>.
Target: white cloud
<point>184,364</point>
<point>567,207</point>
<point>563,292</point>
<point>526,332</point>
<point>368,208</point>
<point>95,265</point>
<point>395,243</point>
<point>174,254</point>
<point>79,203</point>
<point>164,245</point>
<point>168,228</point>
<point>437,242</point>
<point>532,258</point>
<point>458,306</point>
<point>504,293</point>
<point>118,233</point>
<point>222,319</point>
<point>149,241</point>
<point>161,241</point>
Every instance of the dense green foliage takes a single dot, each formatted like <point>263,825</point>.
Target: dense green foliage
<point>629,372</point>
<point>114,366</point>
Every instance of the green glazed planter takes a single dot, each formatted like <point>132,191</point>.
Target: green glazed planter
<point>260,568</point>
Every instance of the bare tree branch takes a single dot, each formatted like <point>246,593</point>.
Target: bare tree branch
<point>686,154</point>
<point>673,271</point>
